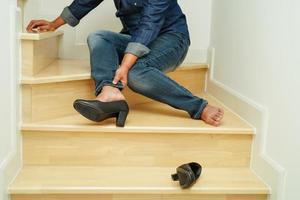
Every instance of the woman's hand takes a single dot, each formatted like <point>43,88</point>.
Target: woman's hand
<point>36,26</point>
<point>40,26</point>
<point>121,75</point>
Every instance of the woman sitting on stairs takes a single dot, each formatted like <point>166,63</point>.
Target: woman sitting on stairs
<point>153,41</point>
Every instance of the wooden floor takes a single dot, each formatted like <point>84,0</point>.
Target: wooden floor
<point>149,117</point>
<point>137,180</point>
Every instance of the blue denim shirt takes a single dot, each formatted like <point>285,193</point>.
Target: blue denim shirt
<point>144,20</point>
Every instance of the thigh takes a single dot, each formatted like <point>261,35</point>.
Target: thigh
<point>167,52</point>
<point>118,40</point>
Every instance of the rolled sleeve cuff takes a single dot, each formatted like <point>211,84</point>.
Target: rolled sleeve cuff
<point>137,49</point>
<point>69,17</point>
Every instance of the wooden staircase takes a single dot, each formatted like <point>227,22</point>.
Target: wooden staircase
<point>68,157</point>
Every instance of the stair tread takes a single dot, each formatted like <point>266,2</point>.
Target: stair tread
<point>87,180</point>
<point>151,117</point>
<point>71,70</point>
<point>40,36</point>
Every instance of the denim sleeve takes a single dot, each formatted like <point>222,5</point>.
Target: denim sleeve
<point>137,49</point>
<point>151,22</point>
<point>77,10</point>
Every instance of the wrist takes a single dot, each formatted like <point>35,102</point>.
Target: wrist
<point>53,25</point>
<point>125,67</point>
<point>128,61</point>
<point>57,23</point>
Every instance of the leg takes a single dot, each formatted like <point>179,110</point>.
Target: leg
<point>147,78</point>
<point>106,51</point>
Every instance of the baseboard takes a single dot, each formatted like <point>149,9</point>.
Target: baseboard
<point>256,115</point>
<point>9,168</point>
<point>196,56</point>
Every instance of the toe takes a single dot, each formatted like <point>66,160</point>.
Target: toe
<point>221,110</point>
<point>216,123</point>
<point>210,121</point>
<point>221,113</point>
<point>217,118</point>
<point>220,116</point>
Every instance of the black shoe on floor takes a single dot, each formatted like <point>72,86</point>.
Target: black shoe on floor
<point>187,174</point>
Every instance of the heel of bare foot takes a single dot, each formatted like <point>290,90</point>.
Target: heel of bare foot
<point>212,115</point>
<point>110,94</point>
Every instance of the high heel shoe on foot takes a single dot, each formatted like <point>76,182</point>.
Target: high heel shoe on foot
<point>98,111</point>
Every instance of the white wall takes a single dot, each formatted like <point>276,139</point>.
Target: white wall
<point>9,161</point>
<point>198,14</point>
<point>257,57</point>
<point>5,79</point>
<point>103,17</point>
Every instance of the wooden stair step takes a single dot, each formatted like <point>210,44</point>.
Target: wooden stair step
<point>63,70</point>
<point>40,36</point>
<point>151,117</point>
<point>155,135</point>
<point>140,197</point>
<point>38,51</point>
<point>138,149</point>
<point>50,93</point>
<point>66,180</point>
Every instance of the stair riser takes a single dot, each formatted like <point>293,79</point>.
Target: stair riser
<point>53,100</point>
<point>140,197</point>
<point>135,149</point>
<point>38,54</point>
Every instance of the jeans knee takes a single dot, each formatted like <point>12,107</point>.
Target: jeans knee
<point>95,38</point>
<point>138,82</point>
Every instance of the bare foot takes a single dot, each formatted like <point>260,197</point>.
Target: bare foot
<point>212,115</point>
<point>109,94</point>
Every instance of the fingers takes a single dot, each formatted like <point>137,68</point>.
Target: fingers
<point>37,24</point>
<point>121,75</point>
<point>124,81</point>
<point>116,79</point>
<point>45,28</point>
<point>31,25</point>
<point>28,28</point>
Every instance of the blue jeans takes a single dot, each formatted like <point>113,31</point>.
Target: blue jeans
<point>147,77</point>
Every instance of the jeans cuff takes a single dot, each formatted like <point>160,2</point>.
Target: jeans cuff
<point>199,113</point>
<point>137,49</point>
<point>99,87</point>
<point>69,18</point>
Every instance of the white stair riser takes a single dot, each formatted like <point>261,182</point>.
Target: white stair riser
<point>135,149</point>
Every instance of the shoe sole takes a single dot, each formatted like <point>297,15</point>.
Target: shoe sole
<point>91,112</point>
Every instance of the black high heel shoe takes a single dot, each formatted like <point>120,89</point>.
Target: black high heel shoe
<point>187,174</point>
<point>98,111</point>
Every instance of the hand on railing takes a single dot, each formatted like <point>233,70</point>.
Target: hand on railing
<point>37,26</point>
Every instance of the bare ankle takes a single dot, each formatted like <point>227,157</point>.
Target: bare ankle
<point>109,94</point>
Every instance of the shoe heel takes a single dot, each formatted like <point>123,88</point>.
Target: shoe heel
<point>121,118</point>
